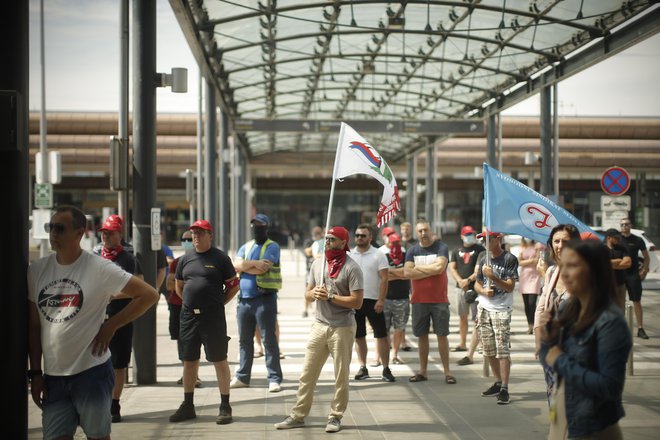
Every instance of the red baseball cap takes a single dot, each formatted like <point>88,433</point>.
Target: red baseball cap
<point>490,234</point>
<point>112,224</point>
<point>202,224</point>
<point>393,238</point>
<point>340,233</point>
<point>467,230</point>
<point>387,231</point>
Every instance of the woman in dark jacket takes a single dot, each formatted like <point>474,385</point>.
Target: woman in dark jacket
<point>587,347</point>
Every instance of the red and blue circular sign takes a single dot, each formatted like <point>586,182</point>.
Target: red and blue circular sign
<point>615,181</point>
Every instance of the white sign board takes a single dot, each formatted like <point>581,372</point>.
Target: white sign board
<point>155,229</point>
<point>39,218</point>
<point>615,203</point>
<point>611,219</point>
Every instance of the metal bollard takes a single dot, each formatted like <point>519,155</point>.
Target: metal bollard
<point>486,368</point>
<point>629,314</point>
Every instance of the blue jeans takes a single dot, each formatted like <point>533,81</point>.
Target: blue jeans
<point>251,312</point>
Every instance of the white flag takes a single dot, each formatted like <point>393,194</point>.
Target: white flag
<point>356,156</point>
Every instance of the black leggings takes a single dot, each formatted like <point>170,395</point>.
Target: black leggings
<point>530,306</point>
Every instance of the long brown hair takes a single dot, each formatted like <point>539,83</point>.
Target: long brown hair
<point>601,280</point>
<point>573,234</point>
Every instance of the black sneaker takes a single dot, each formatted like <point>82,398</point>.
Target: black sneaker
<point>503,397</point>
<point>387,375</point>
<point>642,334</point>
<point>494,390</point>
<point>185,412</point>
<point>224,416</point>
<point>362,374</point>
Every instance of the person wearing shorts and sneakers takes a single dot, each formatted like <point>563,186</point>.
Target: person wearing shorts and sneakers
<point>374,272</point>
<point>635,274</point>
<point>206,281</point>
<point>426,264</point>
<point>495,283</point>
<point>397,303</point>
<point>68,293</point>
<point>338,293</point>
<point>461,267</point>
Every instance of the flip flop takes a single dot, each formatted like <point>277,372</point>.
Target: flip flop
<point>458,348</point>
<point>451,380</point>
<point>417,378</point>
<point>258,354</point>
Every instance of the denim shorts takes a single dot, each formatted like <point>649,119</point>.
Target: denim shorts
<point>82,399</point>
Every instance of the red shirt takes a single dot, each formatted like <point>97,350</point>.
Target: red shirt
<point>172,297</point>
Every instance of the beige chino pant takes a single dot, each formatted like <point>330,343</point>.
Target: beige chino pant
<point>325,341</point>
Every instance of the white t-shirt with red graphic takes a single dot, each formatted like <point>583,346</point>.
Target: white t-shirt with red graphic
<point>71,300</point>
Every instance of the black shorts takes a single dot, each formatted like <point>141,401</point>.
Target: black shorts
<point>634,286</point>
<point>121,343</point>
<point>175,320</point>
<point>376,320</point>
<point>208,328</point>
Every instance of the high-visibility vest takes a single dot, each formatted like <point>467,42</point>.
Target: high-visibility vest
<point>271,279</point>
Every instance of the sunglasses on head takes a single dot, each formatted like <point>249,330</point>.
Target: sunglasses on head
<point>56,228</point>
<point>360,235</point>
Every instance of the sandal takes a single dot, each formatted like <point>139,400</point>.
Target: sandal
<point>451,380</point>
<point>397,361</point>
<point>417,378</point>
<point>458,348</point>
<point>258,354</point>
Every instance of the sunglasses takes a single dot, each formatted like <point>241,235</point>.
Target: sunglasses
<point>626,224</point>
<point>330,239</point>
<point>186,239</point>
<point>56,228</point>
<point>360,235</point>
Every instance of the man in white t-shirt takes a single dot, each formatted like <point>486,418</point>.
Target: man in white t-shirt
<point>68,295</point>
<point>375,268</point>
<point>496,279</point>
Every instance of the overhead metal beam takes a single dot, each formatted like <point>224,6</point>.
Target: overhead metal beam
<point>475,127</point>
<point>612,44</point>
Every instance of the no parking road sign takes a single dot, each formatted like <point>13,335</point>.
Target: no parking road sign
<point>615,181</point>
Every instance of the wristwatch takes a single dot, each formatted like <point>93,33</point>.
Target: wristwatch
<point>331,296</point>
<point>32,373</point>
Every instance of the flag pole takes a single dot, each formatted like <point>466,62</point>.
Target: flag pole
<point>332,195</point>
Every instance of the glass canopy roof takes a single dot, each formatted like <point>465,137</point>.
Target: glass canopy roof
<point>384,61</point>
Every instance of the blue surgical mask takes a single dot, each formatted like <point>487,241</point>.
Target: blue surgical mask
<point>469,239</point>
<point>187,245</point>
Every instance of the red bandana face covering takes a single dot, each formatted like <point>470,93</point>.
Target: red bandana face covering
<point>395,253</point>
<point>111,254</point>
<point>336,259</point>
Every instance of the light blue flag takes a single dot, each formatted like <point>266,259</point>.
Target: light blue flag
<point>514,208</point>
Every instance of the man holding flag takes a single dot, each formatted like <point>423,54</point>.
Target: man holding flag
<point>335,283</point>
<point>496,278</point>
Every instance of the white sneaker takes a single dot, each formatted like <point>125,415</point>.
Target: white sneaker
<point>289,423</point>
<point>235,383</point>
<point>274,387</point>
<point>334,425</point>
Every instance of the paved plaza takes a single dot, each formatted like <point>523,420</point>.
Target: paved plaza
<point>377,410</point>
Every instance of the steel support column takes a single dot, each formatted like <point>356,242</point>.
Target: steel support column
<point>223,187</point>
<point>242,199</point>
<point>210,161</point>
<point>490,141</point>
<point>546,141</point>
<point>411,182</point>
<point>430,183</point>
<point>15,180</point>
<point>144,177</point>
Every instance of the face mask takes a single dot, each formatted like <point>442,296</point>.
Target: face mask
<point>187,245</point>
<point>259,233</point>
<point>469,239</point>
